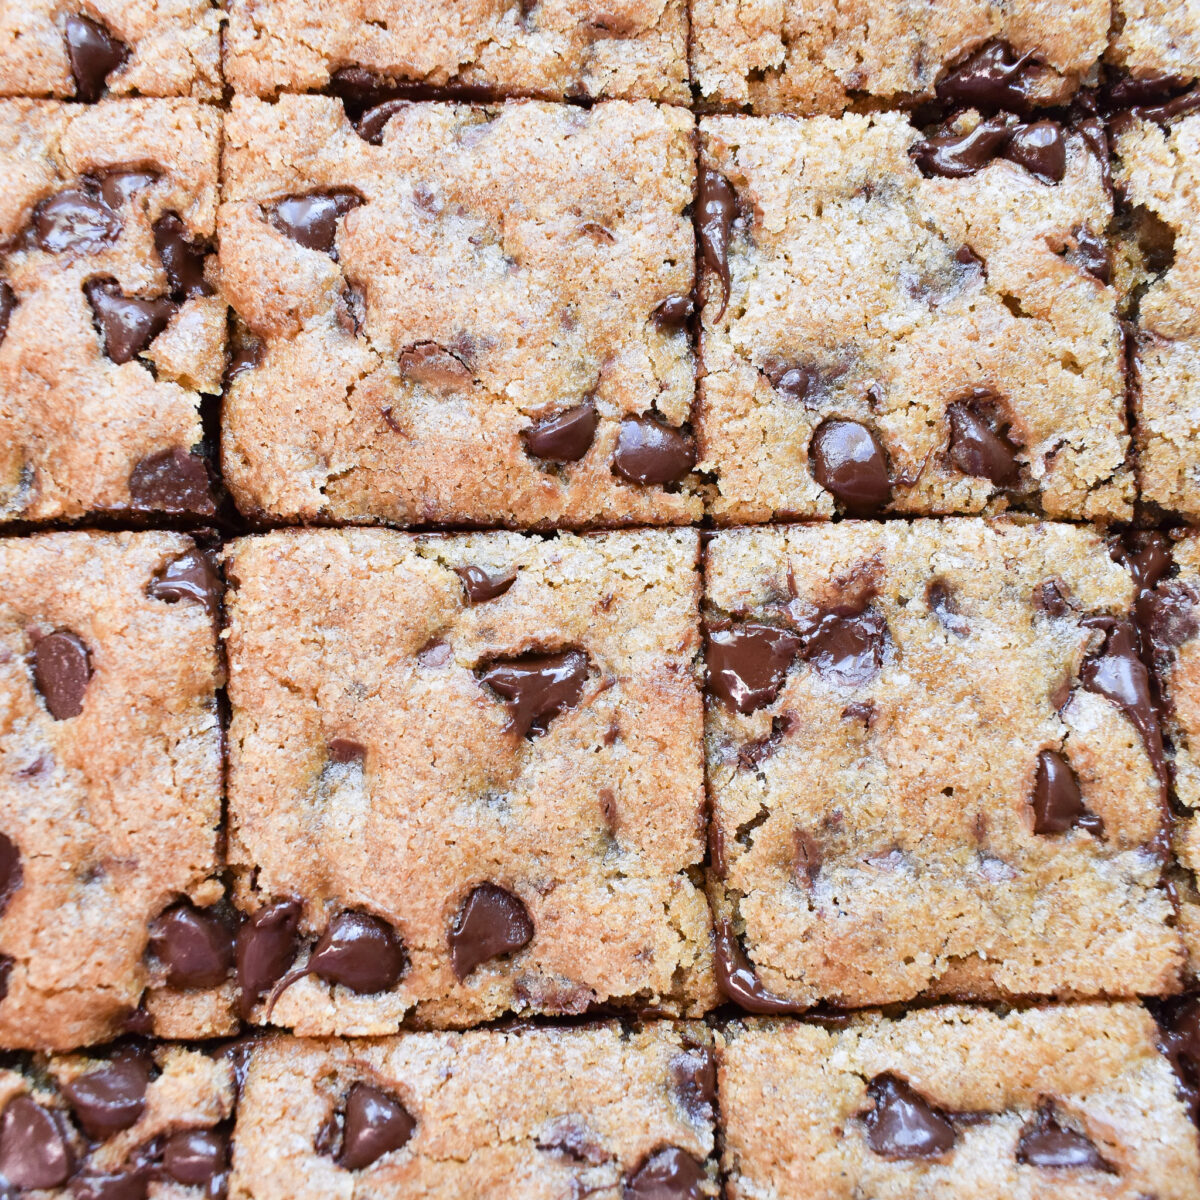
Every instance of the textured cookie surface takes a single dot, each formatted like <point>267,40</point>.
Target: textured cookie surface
<point>1153,38</point>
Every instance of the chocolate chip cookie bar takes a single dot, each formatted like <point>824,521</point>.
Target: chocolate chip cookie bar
<point>935,767</point>
<point>466,777</point>
<point>110,1126</point>
<point>537,1112</point>
<point>110,330</point>
<point>110,791</point>
<point>908,321</point>
<point>956,1101</point>
<point>1156,40</point>
<point>478,320</point>
<point>110,47</point>
<point>410,49</point>
<point>801,56</point>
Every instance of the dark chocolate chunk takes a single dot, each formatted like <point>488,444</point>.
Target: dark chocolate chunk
<point>717,206</point>
<point>373,122</point>
<point>668,1174</point>
<point>375,1124</point>
<point>11,871</point>
<point>6,966</point>
<point>1092,253</point>
<point>195,946</point>
<point>955,155</point>
<point>33,1151</point>
<point>737,980</point>
<point>1046,1143</point>
<point>979,441</point>
<point>480,586</point>
<point>358,951</point>
<point>649,452</point>
<point>94,55</point>
<point>8,305</point>
<point>695,1075</point>
<point>110,1099</point>
<point>1167,618</point>
<point>993,77</point>
<point>565,436</point>
<point>848,461</point>
<point>747,664</point>
<point>1128,90</point>
<point>183,261</point>
<point>312,220</point>
<point>74,219</point>
<point>1051,598</point>
<point>128,323</point>
<point>130,1184</point>
<point>673,313</point>
<point>1040,148</point>
<point>903,1124</point>
<point>491,922</point>
<point>347,750</point>
<point>117,187</point>
<point>434,366</point>
<point>793,382</point>
<point>807,861</point>
<point>942,604</point>
<point>847,647</point>
<point>537,687</point>
<point>245,359</point>
<point>172,481</point>
<point>196,1157</point>
<point>1057,801</point>
<point>191,576</point>
<point>61,672</point>
<point>266,945</point>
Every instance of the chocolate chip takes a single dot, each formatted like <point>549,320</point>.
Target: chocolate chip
<point>61,673</point>
<point>979,442</point>
<point>649,452</point>
<point>375,1125</point>
<point>571,1137</point>
<point>480,586</point>
<point>94,55</point>
<point>132,1184</point>
<point>565,437</point>
<point>847,647</point>
<point>1167,618</point>
<point>956,155</point>
<point>849,461</point>
<point>717,860</point>
<point>673,313</point>
<point>1046,1143</point>
<point>737,980</point>
<point>74,219</point>
<point>537,687</point>
<point>941,602</point>
<point>266,945</point>
<point>435,654</point>
<point>903,1124</point>
<point>129,323</point>
<point>668,1174</point>
<point>110,1099</point>
<point>8,305</point>
<point>491,922</point>
<point>360,952</point>
<point>1092,253</point>
<point>1057,801</point>
<point>11,871</point>
<point>1040,148</point>
<point>717,205</point>
<point>245,359</point>
<point>747,664</point>
<point>172,481</point>
<point>182,260</point>
<point>117,187</point>
<point>1171,110</point>
<point>807,860</point>
<point>194,946</point>
<point>373,122</point>
<point>695,1075</point>
<point>312,220</point>
<point>346,750</point>
<point>434,366</point>
<point>33,1151</point>
<point>1051,597</point>
<point>195,1157</point>
<point>792,382</point>
<point>191,576</point>
<point>993,77</point>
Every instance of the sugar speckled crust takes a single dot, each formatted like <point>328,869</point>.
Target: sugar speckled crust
<point>844,263</point>
<point>622,49</point>
<point>74,423</point>
<point>529,245</point>
<point>794,1098</point>
<point>594,824</point>
<point>818,56</point>
<point>1156,37</point>
<point>879,837</point>
<point>114,812</point>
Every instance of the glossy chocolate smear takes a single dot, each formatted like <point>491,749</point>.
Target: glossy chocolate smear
<point>245,359</point>
<point>1040,148</point>
<point>131,1184</point>
<point>1092,253</point>
<point>195,1157</point>
<point>1046,1143</point>
<point>649,452</point>
<point>668,1174</point>
<point>956,155</point>
<point>747,664</point>
<point>358,951</point>
<point>979,442</point>
<point>1057,801</point>
<point>848,461</point>
<point>434,366</point>
<point>117,187</point>
<point>312,220</point>
<point>111,1099</point>
<point>8,305</point>
<point>737,980</point>
<point>182,260</point>
<point>128,323</point>
<point>717,206</point>
<point>33,1151</point>
<point>11,871</point>
<point>61,673</point>
<point>903,1124</point>
<point>673,313</point>
<point>537,687</point>
<point>192,576</point>
<point>74,219</point>
<point>491,922</point>
<point>565,437</point>
<point>695,1077</point>
<point>266,946</point>
<point>94,55</point>
<point>993,77</point>
<point>172,481</point>
<point>196,947</point>
<point>847,647</point>
<point>480,586</point>
<point>1179,1028</point>
<point>375,1124</point>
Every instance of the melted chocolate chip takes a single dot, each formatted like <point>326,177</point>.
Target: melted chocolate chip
<point>246,359</point>
<point>266,945</point>
<point>358,951</point>
<point>537,687</point>
<point>1051,598</point>
<point>565,437</point>
<point>74,219</point>
<point>110,1099</point>
<point>849,462</point>
<point>312,220</point>
<point>717,206</point>
<point>11,871</point>
<point>1041,149</point>
<point>942,604</point>
<point>172,481</point>
<point>1057,801</point>
<point>747,664</point>
<point>480,586</point>
<point>903,1125</point>
<point>194,946</point>
<point>434,366</point>
<point>1167,618</point>
<point>1171,110</point>
<point>94,55</point>
<point>979,442</point>
<point>955,155</point>
<point>673,313</point>
<point>491,922</point>
<point>373,122</point>
<point>131,1184</point>
<point>1092,253</point>
<point>695,1075</point>
<point>792,382</point>
<point>129,323</point>
<point>196,1157</point>
<point>347,750</point>
<point>61,673</point>
<point>736,977</point>
<point>8,305</point>
<point>183,261</point>
<point>375,1124</point>
<point>1046,1143</point>
<point>847,648</point>
<point>571,1137</point>
<point>993,77</point>
<point>33,1151</point>
<point>649,452</point>
<point>668,1174</point>
<point>117,187</point>
<point>191,576</point>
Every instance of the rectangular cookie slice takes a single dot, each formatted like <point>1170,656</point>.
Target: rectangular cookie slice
<point>908,324</point>
<point>466,777</point>
<point>934,767</point>
<point>554,49</point>
<point>110,791</point>
<point>541,1113</point>
<point>479,320</point>
<point>804,56</point>
<point>956,1101</point>
<point>109,331</point>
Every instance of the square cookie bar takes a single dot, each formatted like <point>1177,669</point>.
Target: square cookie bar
<point>479,320</point>
<point>466,777</point>
<point>538,1113</point>
<point>111,1125</point>
<point>934,767</point>
<point>908,324</point>
<point>1156,40</point>
<point>82,52</point>
<point>805,56</point>
<point>1158,175</point>
<point>956,1101</point>
<point>110,790</point>
<point>109,331</point>
<point>581,49</point>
